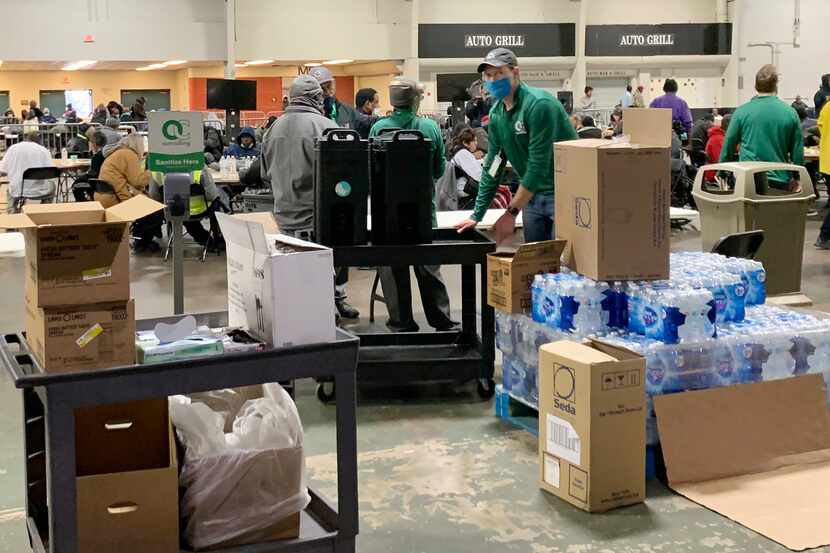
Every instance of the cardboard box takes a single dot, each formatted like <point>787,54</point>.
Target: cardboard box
<point>592,424</point>
<point>78,253</point>
<point>612,200</point>
<point>122,437</point>
<point>756,453</point>
<point>130,512</point>
<point>510,274</point>
<point>84,337</point>
<point>281,289</point>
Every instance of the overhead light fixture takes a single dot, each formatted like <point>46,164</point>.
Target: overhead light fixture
<point>337,62</point>
<point>175,62</point>
<point>143,68</point>
<point>156,66</point>
<point>240,65</point>
<point>260,62</point>
<point>313,64</point>
<point>74,66</point>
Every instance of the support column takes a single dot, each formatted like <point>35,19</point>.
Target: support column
<point>411,69</point>
<point>730,94</point>
<point>230,39</point>
<point>579,77</point>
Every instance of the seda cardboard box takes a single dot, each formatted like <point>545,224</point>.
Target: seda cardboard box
<point>612,200</point>
<point>510,274</point>
<point>592,424</point>
<point>78,253</point>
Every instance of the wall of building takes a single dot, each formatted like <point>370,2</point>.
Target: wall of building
<point>105,85</point>
<point>497,11</point>
<point>316,31</point>
<point>772,21</point>
<point>606,12</point>
<point>123,30</point>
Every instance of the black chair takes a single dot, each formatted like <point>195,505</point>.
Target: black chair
<point>197,192</point>
<point>33,174</point>
<point>740,244</point>
<point>103,187</point>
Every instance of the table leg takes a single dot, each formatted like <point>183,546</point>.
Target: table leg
<point>347,505</point>
<point>488,329</point>
<point>60,475</point>
<point>468,301</point>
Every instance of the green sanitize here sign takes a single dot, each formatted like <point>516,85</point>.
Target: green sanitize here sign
<point>176,142</point>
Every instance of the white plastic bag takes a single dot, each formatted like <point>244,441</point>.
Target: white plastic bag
<point>241,485</point>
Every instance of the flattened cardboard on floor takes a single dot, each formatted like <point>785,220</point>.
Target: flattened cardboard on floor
<point>510,274</point>
<point>78,253</point>
<point>612,200</point>
<point>758,454</point>
<point>592,424</point>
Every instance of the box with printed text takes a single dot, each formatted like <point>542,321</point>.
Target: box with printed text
<point>592,424</point>
<point>510,274</point>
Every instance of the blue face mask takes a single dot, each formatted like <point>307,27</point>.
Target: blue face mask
<point>500,88</point>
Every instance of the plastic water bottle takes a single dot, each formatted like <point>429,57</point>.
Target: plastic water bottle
<point>780,363</point>
<point>537,292</point>
<point>64,154</point>
<point>589,317</point>
<point>232,168</point>
<point>504,333</point>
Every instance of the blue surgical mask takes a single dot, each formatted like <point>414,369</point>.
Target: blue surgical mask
<point>500,88</point>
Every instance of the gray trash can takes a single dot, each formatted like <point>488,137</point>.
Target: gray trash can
<point>743,196</point>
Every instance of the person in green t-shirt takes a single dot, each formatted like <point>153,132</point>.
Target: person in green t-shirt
<point>524,123</point>
<point>405,96</point>
<point>766,129</point>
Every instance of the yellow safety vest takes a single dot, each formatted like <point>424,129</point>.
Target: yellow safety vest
<point>198,204</point>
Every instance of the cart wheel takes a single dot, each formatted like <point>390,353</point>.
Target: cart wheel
<point>486,388</point>
<point>324,396</point>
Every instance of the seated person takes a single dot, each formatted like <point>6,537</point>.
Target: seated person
<point>244,145</point>
<point>467,165</point>
<point>122,169</point>
<point>207,204</point>
<point>84,193</point>
<point>48,117</point>
<point>21,156</point>
<point>588,129</point>
<point>214,147</point>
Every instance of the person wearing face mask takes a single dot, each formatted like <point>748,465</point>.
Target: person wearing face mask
<point>214,147</point>
<point>524,123</point>
<point>287,163</point>
<point>244,145</point>
<point>345,116</point>
<point>405,96</point>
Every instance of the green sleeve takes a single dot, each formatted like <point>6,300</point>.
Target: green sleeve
<point>488,185</point>
<point>547,125</point>
<point>438,160</point>
<point>797,144</point>
<point>731,140</point>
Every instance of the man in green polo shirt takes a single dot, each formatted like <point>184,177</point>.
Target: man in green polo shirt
<point>524,123</point>
<point>405,96</point>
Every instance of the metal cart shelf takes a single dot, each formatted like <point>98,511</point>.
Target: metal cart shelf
<point>49,400</point>
<point>454,356</point>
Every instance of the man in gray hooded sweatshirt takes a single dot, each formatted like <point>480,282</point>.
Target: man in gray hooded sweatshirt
<point>288,164</point>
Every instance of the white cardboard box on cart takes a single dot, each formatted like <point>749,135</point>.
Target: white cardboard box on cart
<point>283,297</point>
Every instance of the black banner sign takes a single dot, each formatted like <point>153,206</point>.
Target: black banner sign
<point>475,40</point>
<point>668,39</point>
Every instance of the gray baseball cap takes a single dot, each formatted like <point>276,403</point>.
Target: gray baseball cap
<point>305,85</point>
<point>498,57</point>
<point>322,75</point>
<point>403,92</point>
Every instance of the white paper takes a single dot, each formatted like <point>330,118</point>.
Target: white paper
<point>494,167</point>
<point>552,471</point>
<point>184,327</point>
<point>563,441</point>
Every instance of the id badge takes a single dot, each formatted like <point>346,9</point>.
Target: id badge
<point>496,165</point>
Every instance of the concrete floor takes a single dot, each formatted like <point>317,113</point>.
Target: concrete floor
<point>438,472</point>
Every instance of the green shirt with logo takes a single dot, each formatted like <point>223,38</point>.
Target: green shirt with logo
<point>524,136</point>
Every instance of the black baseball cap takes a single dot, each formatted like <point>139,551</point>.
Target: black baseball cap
<point>498,57</point>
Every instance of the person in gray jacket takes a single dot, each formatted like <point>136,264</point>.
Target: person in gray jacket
<point>287,163</point>
<point>110,130</point>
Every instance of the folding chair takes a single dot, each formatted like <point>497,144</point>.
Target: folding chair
<point>33,174</point>
<point>740,244</point>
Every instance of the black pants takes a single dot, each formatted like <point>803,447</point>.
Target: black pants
<point>148,228</point>
<point>397,293</point>
<point>824,233</point>
<point>196,231</point>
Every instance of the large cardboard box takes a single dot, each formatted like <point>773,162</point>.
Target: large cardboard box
<point>281,289</point>
<point>756,453</point>
<point>592,424</point>
<point>510,274</point>
<point>83,337</point>
<point>122,437</point>
<point>131,512</point>
<point>612,200</point>
<point>78,253</point>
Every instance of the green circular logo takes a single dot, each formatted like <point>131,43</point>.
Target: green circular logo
<point>343,189</point>
<point>172,129</point>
